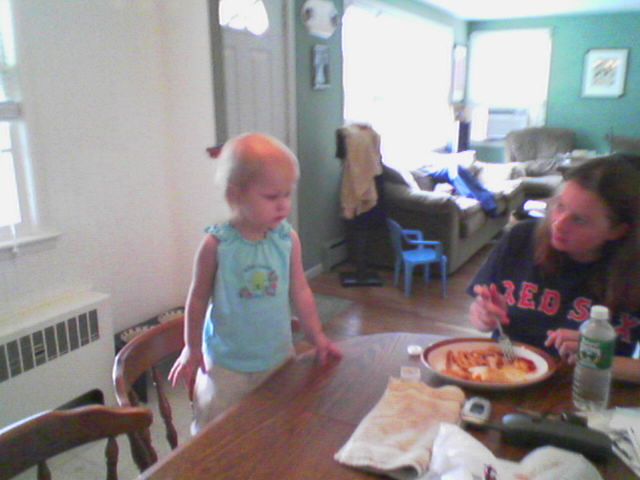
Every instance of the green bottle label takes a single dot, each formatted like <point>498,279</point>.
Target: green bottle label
<point>595,353</point>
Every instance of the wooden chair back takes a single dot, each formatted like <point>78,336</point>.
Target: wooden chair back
<point>33,440</point>
<point>142,354</point>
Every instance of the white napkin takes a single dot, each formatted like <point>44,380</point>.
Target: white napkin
<point>457,455</point>
<point>396,436</point>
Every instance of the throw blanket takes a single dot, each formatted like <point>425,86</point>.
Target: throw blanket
<point>465,184</point>
<point>362,163</point>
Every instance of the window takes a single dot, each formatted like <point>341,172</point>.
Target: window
<point>17,205</point>
<point>397,77</point>
<point>10,211</point>
<point>244,15</point>
<point>508,79</point>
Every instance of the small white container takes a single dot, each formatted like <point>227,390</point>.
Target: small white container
<point>411,374</point>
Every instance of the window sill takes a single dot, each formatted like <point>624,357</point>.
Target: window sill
<point>489,142</point>
<point>27,244</point>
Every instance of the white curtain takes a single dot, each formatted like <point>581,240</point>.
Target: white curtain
<point>397,77</point>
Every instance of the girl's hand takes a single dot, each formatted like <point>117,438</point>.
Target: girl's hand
<point>488,308</point>
<point>565,341</point>
<point>186,367</point>
<point>326,349</point>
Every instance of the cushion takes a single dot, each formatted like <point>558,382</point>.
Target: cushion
<point>472,217</point>
<point>465,159</point>
<point>423,179</point>
<point>488,173</point>
<point>398,176</point>
<point>445,187</point>
<point>542,166</point>
<point>502,203</point>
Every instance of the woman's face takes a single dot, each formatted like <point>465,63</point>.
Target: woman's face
<point>580,224</point>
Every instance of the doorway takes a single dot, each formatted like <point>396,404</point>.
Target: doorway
<point>259,74</point>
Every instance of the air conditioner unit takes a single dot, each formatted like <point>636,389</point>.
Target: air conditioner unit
<point>502,121</point>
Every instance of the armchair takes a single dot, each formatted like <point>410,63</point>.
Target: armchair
<point>538,150</point>
<point>623,144</point>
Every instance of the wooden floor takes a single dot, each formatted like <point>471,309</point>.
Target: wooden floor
<point>386,309</point>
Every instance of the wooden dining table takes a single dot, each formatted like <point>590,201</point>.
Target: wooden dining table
<point>292,425</point>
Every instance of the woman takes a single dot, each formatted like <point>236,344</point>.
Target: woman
<point>543,277</point>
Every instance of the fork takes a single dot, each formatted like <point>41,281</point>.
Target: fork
<point>492,295</point>
<point>505,344</point>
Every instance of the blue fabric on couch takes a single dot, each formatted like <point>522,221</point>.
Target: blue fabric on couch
<point>465,184</point>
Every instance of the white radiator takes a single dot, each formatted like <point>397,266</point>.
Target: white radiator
<point>54,353</point>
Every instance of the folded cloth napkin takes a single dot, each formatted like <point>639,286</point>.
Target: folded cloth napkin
<point>396,436</point>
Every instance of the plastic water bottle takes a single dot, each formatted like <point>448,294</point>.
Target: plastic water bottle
<point>592,374</point>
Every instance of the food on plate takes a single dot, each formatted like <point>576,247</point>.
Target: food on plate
<point>487,365</point>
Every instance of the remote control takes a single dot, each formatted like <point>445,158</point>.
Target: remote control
<point>522,429</point>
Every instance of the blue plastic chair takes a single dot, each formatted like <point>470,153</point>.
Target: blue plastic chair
<point>424,253</point>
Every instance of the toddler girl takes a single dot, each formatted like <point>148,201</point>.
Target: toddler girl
<point>237,316</point>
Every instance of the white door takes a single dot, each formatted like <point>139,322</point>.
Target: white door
<point>256,77</point>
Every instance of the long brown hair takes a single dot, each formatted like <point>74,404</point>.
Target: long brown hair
<point>615,277</point>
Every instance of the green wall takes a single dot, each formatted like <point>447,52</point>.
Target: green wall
<point>573,36</point>
<point>319,114</point>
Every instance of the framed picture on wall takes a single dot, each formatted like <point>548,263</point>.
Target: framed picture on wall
<point>320,67</point>
<point>604,72</point>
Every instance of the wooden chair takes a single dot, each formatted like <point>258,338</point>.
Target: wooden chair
<point>139,355</point>
<point>33,440</point>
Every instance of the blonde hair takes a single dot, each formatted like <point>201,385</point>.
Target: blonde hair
<point>244,158</point>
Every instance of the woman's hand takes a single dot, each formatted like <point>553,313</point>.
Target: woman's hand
<point>488,308</point>
<point>186,367</point>
<point>565,341</point>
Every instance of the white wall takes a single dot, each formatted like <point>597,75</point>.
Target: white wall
<point>118,99</point>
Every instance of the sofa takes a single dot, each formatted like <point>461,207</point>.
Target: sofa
<point>536,154</point>
<point>460,223</point>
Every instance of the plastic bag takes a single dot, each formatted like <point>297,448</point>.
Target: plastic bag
<point>457,455</point>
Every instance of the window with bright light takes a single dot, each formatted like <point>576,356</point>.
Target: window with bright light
<point>10,212</point>
<point>10,209</point>
<point>247,15</point>
<point>397,78</point>
<point>509,72</point>
<point>19,222</point>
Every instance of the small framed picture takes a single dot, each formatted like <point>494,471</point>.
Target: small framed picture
<point>320,77</point>
<point>604,72</point>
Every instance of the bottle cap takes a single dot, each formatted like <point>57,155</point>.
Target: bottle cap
<point>411,374</point>
<point>600,312</point>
